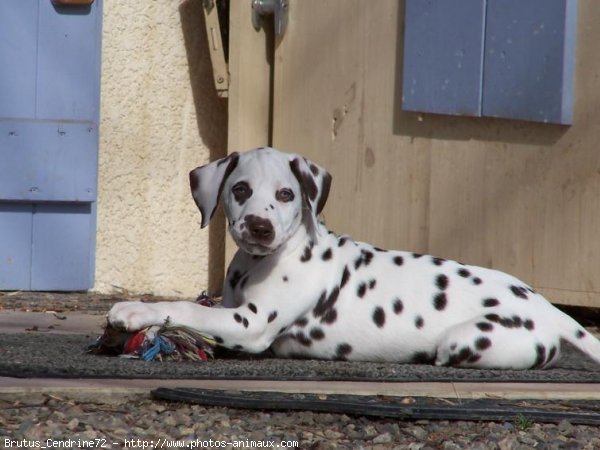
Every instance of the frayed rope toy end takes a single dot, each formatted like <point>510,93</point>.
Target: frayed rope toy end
<point>158,342</point>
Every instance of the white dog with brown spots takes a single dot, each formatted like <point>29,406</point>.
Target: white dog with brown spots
<point>304,291</point>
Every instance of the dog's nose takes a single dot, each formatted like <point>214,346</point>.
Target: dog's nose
<point>260,229</point>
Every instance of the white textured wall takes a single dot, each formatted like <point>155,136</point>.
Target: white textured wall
<point>160,118</point>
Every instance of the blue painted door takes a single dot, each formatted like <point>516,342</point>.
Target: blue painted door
<point>49,111</point>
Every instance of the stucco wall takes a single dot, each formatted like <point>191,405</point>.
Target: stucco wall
<point>160,118</point>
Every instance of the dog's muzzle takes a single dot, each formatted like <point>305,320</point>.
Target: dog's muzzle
<point>258,231</point>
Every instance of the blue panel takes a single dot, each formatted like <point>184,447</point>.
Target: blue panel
<point>443,47</point>
<point>49,111</point>
<point>62,247</point>
<point>15,246</point>
<point>18,52</point>
<point>529,59</point>
<point>69,62</point>
<point>48,161</point>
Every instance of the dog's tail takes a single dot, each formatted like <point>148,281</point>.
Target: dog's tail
<point>575,334</point>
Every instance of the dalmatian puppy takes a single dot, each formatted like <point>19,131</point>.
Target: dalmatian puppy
<point>303,291</point>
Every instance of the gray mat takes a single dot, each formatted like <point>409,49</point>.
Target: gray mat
<point>64,356</point>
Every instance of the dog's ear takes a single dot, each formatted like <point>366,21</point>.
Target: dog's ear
<point>314,182</point>
<point>207,183</point>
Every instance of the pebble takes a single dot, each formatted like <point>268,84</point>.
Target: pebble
<point>73,424</point>
<point>383,438</point>
<point>419,433</point>
<point>333,435</point>
<point>146,420</point>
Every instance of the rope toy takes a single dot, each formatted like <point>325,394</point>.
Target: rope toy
<point>157,342</point>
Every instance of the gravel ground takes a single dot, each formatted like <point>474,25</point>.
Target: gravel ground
<point>143,422</point>
<point>87,302</point>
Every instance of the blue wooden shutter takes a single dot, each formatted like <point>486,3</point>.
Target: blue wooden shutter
<point>49,112</point>
<point>530,59</point>
<point>443,56</point>
<point>516,58</point>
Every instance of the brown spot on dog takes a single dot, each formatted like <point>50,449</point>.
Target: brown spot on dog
<point>540,358</point>
<point>442,281</point>
<point>327,254</point>
<point>485,326</point>
<point>326,302</point>
<point>303,339</point>
<point>317,334</point>
<point>483,343</point>
<point>379,317</point>
<point>307,182</point>
<point>307,253</point>
<point>440,301</point>
<point>398,306</point>
<point>301,322</point>
<point>465,354</point>
<point>362,289</point>
<point>519,291</point>
<point>464,273</point>
<point>342,351</point>
<point>345,277</point>
<point>490,302</point>
<point>419,322</point>
<point>330,316</point>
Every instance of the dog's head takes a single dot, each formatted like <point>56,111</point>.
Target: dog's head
<point>266,194</point>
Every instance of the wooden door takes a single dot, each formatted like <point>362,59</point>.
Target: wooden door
<point>336,100</point>
<point>518,196</point>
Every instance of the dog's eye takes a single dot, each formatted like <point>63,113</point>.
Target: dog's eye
<point>240,188</point>
<point>284,195</point>
<point>241,191</point>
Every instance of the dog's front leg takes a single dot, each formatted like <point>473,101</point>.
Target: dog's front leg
<point>238,328</point>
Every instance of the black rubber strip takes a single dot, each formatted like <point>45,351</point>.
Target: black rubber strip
<point>406,408</point>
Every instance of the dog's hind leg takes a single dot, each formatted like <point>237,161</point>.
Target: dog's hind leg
<point>495,342</point>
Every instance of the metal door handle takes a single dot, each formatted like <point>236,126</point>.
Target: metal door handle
<point>278,8</point>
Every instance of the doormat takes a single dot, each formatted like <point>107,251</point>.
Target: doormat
<point>64,356</point>
<point>403,408</point>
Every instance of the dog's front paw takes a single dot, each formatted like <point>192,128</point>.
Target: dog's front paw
<point>133,316</point>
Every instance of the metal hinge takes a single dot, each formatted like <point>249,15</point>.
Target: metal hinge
<point>277,8</point>
<point>215,44</point>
